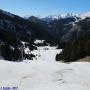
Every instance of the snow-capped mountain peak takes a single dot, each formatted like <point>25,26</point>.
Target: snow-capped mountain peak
<point>83,16</point>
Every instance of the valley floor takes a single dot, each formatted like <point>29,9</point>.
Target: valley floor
<point>44,73</point>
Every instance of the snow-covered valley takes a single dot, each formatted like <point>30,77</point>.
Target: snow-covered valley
<point>44,73</point>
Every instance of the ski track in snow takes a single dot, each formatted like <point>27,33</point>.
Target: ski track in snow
<point>44,73</point>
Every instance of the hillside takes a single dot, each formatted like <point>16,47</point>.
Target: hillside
<point>14,30</point>
<point>78,44</point>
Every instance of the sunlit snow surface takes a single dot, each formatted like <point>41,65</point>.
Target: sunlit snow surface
<point>44,73</point>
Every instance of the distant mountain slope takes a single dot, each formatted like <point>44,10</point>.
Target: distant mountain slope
<point>56,27</point>
<point>79,42</point>
<point>15,25</point>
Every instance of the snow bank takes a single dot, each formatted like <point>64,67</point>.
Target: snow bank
<point>38,41</point>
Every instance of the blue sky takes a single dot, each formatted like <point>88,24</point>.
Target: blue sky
<point>45,7</point>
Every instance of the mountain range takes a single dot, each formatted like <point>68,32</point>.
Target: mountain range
<point>64,32</point>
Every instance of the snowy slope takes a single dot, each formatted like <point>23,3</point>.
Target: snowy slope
<point>43,73</point>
